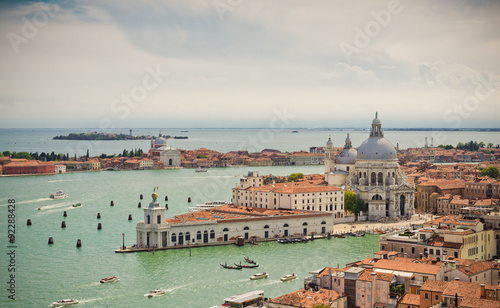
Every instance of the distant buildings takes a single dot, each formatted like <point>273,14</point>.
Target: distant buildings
<point>170,157</point>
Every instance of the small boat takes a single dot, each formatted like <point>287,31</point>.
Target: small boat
<point>109,279</point>
<point>58,195</point>
<point>201,169</point>
<point>259,276</point>
<point>65,302</point>
<point>247,266</point>
<point>154,293</point>
<point>77,205</point>
<point>237,267</point>
<point>288,277</point>
<point>247,259</point>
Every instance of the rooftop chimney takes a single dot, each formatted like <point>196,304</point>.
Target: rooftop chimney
<point>483,294</point>
<point>467,268</point>
<point>476,259</point>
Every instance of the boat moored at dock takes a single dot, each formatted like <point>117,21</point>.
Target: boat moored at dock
<point>249,299</point>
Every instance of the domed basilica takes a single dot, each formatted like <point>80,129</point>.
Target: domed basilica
<point>372,172</point>
<point>169,156</point>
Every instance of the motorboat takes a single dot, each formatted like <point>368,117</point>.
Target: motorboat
<point>65,302</point>
<point>288,277</point>
<point>259,276</point>
<point>109,279</point>
<point>77,205</point>
<point>58,195</point>
<point>207,206</point>
<point>201,169</point>
<point>154,293</point>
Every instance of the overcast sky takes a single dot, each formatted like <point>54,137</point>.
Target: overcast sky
<point>249,63</point>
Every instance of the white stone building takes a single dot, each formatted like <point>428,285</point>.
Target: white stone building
<point>302,195</point>
<point>224,224</point>
<point>372,172</point>
<point>169,156</point>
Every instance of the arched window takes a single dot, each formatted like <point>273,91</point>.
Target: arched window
<point>266,227</point>
<point>212,234</point>
<point>380,178</point>
<point>285,226</point>
<point>246,228</point>
<point>364,175</point>
<point>304,224</point>
<point>188,236</point>
<point>174,237</point>
<point>373,178</point>
<point>323,222</point>
<point>148,219</point>
<point>198,235</point>
<point>170,162</point>
<point>308,207</point>
<point>225,230</point>
<point>377,197</point>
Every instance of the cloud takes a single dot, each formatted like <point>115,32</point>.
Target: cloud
<point>344,74</point>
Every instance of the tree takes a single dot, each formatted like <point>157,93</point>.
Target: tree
<point>398,290</point>
<point>201,156</point>
<point>350,202</point>
<point>492,172</point>
<point>480,145</point>
<point>294,177</point>
<point>6,153</point>
<point>490,145</point>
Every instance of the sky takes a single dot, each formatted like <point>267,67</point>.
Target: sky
<point>249,63</point>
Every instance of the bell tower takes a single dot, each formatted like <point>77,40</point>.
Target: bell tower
<point>150,232</point>
<point>329,156</point>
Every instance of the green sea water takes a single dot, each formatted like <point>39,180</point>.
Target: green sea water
<point>45,273</point>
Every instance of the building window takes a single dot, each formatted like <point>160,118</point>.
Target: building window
<point>174,237</point>
<point>198,235</point>
<point>212,234</point>
<point>188,236</point>
<point>426,296</point>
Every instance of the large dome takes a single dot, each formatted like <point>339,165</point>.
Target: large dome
<point>377,148</point>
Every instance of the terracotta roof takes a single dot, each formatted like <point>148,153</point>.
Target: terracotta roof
<point>334,270</point>
<point>434,286</point>
<point>479,303</point>
<point>462,289</point>
<point>307,299</point>
<point>230,213</point>
<point>410,299</point>
<point>475,267</point>
<point>407,267</point>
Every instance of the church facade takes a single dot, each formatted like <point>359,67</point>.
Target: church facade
<point>372,172</point>
<point>169,156</point>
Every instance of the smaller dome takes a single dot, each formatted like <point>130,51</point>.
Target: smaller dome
<point>347,156</point>
<point>160,141</point>
<point>329,142</point>
<point>154,196</point>
<point>376,121</point>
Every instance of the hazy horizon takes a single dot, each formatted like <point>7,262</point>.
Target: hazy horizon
<point>249,64</point>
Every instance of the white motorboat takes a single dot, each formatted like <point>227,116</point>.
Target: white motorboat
<point>207,206</point>
<point>65,302</point>
<point>109,279</point>
<point>58,195</point>
<point>288,277</point>
<point>154,293</point>
<point>259,276</point>
<point>201,169</point>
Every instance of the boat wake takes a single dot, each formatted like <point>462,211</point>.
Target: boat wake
<point>53,206</point>
<point>34,200</point>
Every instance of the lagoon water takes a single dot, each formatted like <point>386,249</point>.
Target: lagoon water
<point>46,273</point>
<point>225,140</point>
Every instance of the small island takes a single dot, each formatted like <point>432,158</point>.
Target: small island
<point>109,136</point>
